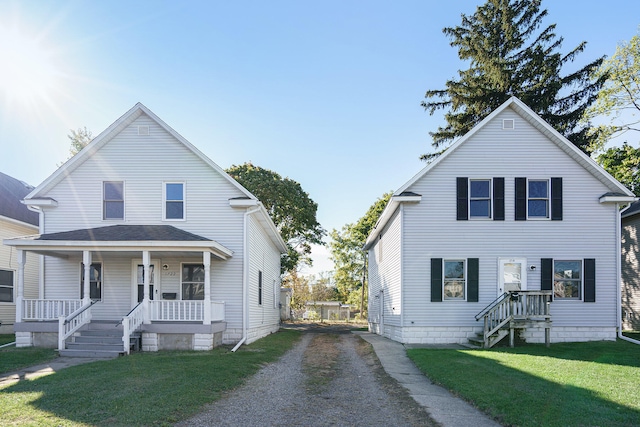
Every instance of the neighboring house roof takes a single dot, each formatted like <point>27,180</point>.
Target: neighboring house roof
<point>631,210</point>
<point>12,191</point>
<point>404,195</point>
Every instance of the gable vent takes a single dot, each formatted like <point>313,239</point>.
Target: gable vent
<point>508,124</point>
<point>143,130</point>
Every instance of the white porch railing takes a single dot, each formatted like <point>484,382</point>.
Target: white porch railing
<point>130,323</point>
<point>48,309</point>
<point>68,325</point>
<point>184,311</point>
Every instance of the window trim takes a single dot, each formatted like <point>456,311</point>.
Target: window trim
<point>465,278</point>
<point>165,201</point>
<point>182,264</point>
<point>548,199</point>
<point>490,198</point>
<point>104,201</point>
<point>581,285</point>
<point>101,281</point>
<point>260,295</point>
<point>13,286</point>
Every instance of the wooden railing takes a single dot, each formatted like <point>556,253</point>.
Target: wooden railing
<point>184,310</point>
<point>48,309</point>
<point>519,305</point>
<point>68,325</point>
<point>130,323</point>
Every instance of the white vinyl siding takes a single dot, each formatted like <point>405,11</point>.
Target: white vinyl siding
<point>630,268</point>
<point>431,230</point>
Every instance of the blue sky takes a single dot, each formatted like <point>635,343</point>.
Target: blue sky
<point>324,92</point>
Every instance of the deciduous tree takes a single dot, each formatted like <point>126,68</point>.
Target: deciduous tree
<point>623,163</point>
<point>509,56</point>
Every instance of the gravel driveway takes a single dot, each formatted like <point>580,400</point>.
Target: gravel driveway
<point>330,378</point>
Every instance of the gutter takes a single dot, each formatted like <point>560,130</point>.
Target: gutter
<point>619,276</point>
<point>245,278</point>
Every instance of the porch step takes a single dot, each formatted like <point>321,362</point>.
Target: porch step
<point>103,354</point>
<point>478,340</point>
<point>98,339</point>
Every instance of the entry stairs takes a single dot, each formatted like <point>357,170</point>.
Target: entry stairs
<point>99,339</point>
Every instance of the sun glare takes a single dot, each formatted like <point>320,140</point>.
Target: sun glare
<point>27,75</point>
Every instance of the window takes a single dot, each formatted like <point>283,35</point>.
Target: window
<point>95,281</point>
<point>454,279</point>
<point>113,200</point>
<point>259,287</point>
<point>480,198</point>
<point>567,279</point>
<point>140,279</point>
<point>174,200</point>
<point>538,198</point>
<point>6,286</point>
<point>192,282</point>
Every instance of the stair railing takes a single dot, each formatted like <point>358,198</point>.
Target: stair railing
<point>68,325</point>
<point>131,323</point>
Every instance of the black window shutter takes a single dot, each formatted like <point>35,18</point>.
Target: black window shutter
<point>589,280</point>
<point>521,199</point>
<point>556,199</point>
<point>498,199</point>
<point>436,279</point>
<point>546,274</point>
<point>462,204</point>
<point>473,279</point>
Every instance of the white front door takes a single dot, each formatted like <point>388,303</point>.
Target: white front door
<point>137,291</point>
<point>512,274</point>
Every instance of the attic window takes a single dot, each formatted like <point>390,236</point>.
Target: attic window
<point>508,124</point>
<point>143,130</point>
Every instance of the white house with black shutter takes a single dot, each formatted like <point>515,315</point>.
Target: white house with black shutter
<point>146,243</point>
<point>513,230</point>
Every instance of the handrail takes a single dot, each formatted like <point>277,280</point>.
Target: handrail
<point>130,323</point>
<point>79,311</point>
<point>128,314</point>
<point>491,306</point>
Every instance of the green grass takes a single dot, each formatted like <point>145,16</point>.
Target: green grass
<point>570,384</point>
<point>12,358</point>
<point>632,334</point>
<point>141,389</point>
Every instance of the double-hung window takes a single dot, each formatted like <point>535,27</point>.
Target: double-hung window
<point>538,198</point>
<point>95,281</point>
<point>567,279</point>
<point>6,286</point>
<point>174,200</point>
<point>480,198</point>
<point>113,200</point>
<point>454,280</point>
<point>192,281</point>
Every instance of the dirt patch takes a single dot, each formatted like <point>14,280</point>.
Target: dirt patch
<point>319,362</point>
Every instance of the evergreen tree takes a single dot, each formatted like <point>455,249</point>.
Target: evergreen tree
<point>509,56</point>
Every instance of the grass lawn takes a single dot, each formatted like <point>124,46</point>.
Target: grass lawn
<point>7,338</point>
<point>141,389</point>
<point>569,384</point>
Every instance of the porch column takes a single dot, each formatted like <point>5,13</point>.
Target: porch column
<point>206,260</point>
<point>146,262</point>
<point>86,283</point>
<point>22,255</point>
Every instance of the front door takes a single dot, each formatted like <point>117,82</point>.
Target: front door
<point>138,279</point>
<point>512,275</point>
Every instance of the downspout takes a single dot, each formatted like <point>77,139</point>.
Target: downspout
<point>245,278</point>
<point>619,275</point>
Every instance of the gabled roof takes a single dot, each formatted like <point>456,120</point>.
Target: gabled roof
<point>125,233</point>
<point>104,137</point>
<point>12,191</point>
<point>400,196</point>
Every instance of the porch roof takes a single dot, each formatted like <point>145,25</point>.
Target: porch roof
<point>127,238</point>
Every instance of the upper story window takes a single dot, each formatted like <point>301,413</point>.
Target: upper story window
<point>480,198</point>
<point>113,200</point>
<point>6,286</point>
<point>567,279</point>
<point>538,198</point>
<point>174,200</point>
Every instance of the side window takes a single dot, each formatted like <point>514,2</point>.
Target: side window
<point>259,287</point>
<point>480,198</point>
<point>174,201</point>
<point>454,283</point>
<point>95,281</point>
<point>538,198</point>
<point>6,286</point>
<point>567,279</point>
<point>113,200</point>
<point>192,282</point>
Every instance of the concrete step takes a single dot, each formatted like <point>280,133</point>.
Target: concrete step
<point>100,333</point>
<point>91,353</point>
<point>94,346</point>
<point>91,339</point>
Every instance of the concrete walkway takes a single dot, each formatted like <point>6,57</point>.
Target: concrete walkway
<point>442,406</point>
<point>48,368</point>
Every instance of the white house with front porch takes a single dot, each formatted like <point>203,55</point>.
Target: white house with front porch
<point>141,233</point>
